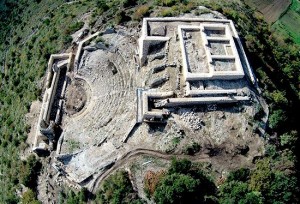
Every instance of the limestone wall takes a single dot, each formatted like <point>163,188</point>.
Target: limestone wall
<point>79,49</point>
<point>48,98</point>
<point>210,92</point>
<point>248,67</point>
<point>148,114</point>
<point>144,44</point>
<point>204,100</point>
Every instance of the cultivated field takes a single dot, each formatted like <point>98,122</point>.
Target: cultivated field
<point>283,15</point>
<point>289,23</point>
<point>271,9</point>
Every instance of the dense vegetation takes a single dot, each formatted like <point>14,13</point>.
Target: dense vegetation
<point>31,30</point>
<point>182,183</point>
<point>185,182</point>
<point>260,185</point>
<point>117,189</point>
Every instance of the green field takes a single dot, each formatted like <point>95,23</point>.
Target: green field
<point>289,24</point>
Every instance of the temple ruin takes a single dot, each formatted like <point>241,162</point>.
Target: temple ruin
<point>210,51</point>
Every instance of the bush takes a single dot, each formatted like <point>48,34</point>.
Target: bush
<point>67,39</point>
<point>117,189</point>
<point>261,177</point>
<point>167,12</point>
<point>29,171</point>
<point>233,192</point>
<point>29,197</point>
<point>279,97</point>
<point>241,174</point>
<point>101,4</point>
<point>170,2</point>
<point>151,181</point>
<point>276,118</point>
<point>192,149</point>
<point>176,188</point>
<point>283,189</point>
<point>128,3</point>
<point>180,166</point>
<point>288,139</point>
<point>184,183</point>
<point>121,17</point>
<point>74,27</point>
<point>141,12</point>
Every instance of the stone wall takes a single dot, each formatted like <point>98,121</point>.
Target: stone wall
<point>48,98</point>
<point>79,49</point>
<point>204,100</point>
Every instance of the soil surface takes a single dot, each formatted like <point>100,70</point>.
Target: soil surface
<point>76,97</point>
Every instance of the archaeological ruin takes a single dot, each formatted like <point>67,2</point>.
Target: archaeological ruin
<point>210,53</point>
<point>101,100</point>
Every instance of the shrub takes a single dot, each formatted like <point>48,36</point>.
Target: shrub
<point>170,2</point>
<point>127,3</point>
<point>282,189</point>
<point>151,181</point>
<point>277,117</point>
<point>261,177</point>
<point>140,12</point>
<point>29,197</point>
<point>29,171</point>
<point>241,174</point>
<point>67,39</point>
<point>288,139</point>
<point>101,4</point>
<point>117,189</point>
<point>167,12</point>
<point>192,149</point>
<point>279,97</point>
<point>176,188</point>
<point>184,183</point>
<point>121,17</point>
<point>233,191</point>
<point>74,27</point>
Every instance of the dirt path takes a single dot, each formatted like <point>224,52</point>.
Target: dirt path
<point>138,152</point>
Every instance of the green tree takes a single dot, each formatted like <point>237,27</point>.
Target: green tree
<point>261,177</point>
<point>29,171</point>
<point>117,189</point>
<point>241,174</point>
<point>283,189</point>
<point>233,191</point>
<point>277,117</point>
<point>252,198</point>
<point>288,139</point>
<point>185,183</point>
<point>176,188</point>
<point>29,197</point>
<point>279,97</point>
<point>101,4</point>
<point>180,166</point>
